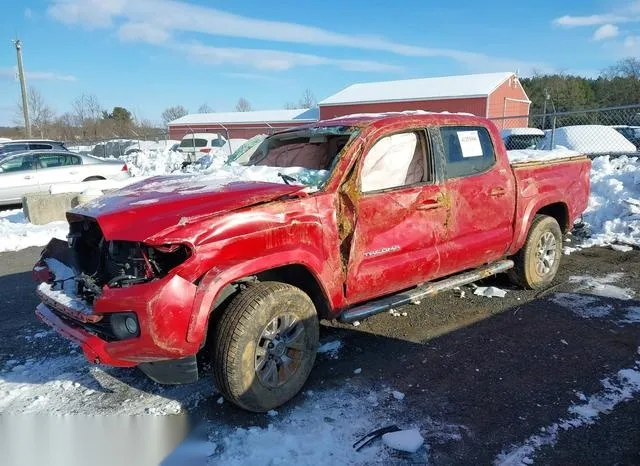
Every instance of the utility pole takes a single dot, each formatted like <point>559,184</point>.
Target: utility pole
<point>23,88</point>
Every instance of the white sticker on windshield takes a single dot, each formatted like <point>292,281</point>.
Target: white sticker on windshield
<point>470,143</point>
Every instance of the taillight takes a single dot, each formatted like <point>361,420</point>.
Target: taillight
<point>205,151</point>
<point>125,168</point>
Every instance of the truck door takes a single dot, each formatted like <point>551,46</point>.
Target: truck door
<point>400,217</point>
<point>481,191</point>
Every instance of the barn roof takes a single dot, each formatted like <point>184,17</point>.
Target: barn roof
<point>260,116</point>
<point>452,87</point>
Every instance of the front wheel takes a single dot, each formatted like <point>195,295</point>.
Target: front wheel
<point>537,263</point>
<point>265,345</point>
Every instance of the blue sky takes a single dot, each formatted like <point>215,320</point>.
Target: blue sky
<point>147,55</point>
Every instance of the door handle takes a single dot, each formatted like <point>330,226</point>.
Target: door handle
<point>73,172</point>
<point>430,204</point>
<point>497,192</point>
<point>27,177</point>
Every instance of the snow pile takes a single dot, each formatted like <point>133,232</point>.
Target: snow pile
<point>17,233</point>
<point>404,440</point>
<point>613,214</point>
<point>534,155</point>
<point>588,139</point>
<point>148,162</point>
<point>623,387</point>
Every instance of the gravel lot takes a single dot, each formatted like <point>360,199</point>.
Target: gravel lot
<point>485,380</point>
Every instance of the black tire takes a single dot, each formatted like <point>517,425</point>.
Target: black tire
<point>533,269</point>
<point>93,178</point>
<point>243,361</point>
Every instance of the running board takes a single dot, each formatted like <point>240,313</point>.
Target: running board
<point>423,291</point>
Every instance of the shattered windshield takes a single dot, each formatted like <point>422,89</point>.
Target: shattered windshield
<point>306,156</point>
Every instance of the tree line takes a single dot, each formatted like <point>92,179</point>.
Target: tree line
<point>616,86</point>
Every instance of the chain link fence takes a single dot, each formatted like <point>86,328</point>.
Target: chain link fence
<point>593,132</point>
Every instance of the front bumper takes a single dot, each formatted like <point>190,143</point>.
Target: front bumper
<point>163,309</point>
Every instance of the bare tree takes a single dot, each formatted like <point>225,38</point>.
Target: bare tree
<point>87,116</point>
<point>243,105</point>
<point>205,108</point>
<point>40,113</point>
<point>308,100</point>
<point>625,68</point>
<point>173,113</point>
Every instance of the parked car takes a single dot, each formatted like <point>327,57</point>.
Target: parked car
<point>240,273</point>
<point>36,171</point>
<point>588,139</point>
<point>632,133</point>
<point>195,145</point>
<point>521,138</point>
<point>21,145</point>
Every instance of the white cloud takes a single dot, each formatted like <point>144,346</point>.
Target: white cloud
<point>606,31</point>
<point>144,32</point>
<point>37,75</point>
<point>621,14</point>
<point>179,16</point>
<point>273,60</point>
<point>28,13</point>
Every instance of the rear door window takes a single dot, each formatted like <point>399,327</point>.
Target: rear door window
<point>57,160</point>
<point>195,142</point>
<point>17,164</point>
<point>468,150</point>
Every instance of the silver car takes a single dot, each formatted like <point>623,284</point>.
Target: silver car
<point>36,171</point>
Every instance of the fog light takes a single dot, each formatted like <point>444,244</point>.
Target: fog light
<point>124,325</point>
<point>131,325</point>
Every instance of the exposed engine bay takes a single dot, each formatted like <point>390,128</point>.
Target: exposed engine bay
<point>117,263</point>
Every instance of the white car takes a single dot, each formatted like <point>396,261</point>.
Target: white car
<point>196,145</point>
<point>37,171</point>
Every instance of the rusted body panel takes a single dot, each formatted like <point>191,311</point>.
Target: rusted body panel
<point>356,246</point>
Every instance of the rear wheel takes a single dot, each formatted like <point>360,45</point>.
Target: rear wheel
<point>93,178</point>
<point>265,345</point>
<point>537,263</point>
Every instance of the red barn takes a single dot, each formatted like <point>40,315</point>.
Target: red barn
<point>240,124</point>
<point>491,95</point>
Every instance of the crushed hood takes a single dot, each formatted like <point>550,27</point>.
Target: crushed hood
<point>142,210</point>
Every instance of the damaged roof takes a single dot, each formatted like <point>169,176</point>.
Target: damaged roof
<point>443,87</point>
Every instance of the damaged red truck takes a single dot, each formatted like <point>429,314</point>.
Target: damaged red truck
<point>408,205</point>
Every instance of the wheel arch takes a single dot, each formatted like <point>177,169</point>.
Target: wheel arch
<point>552,207</point>
<point>216,288</point>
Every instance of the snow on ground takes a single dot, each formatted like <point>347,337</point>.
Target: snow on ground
<point>17,233</point>
<point>68,384</point>
<point>624,386</point>
<point>603,286</point>
<point>320,430</point>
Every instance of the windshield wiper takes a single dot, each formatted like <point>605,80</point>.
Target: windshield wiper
<point>286,178</point>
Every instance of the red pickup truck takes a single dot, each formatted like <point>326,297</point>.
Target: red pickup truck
<point>408,205</point>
